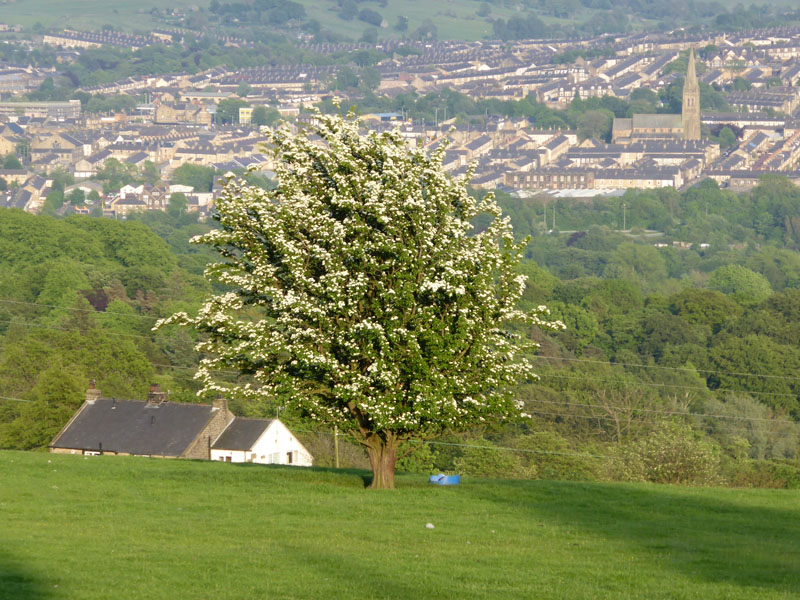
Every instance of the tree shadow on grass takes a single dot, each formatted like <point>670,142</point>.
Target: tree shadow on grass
<point>17,583</point>
<point>709,535</point>
<point>343,477</point>
<point>354,579</point>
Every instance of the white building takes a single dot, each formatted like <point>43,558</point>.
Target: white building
<point>265,441</point>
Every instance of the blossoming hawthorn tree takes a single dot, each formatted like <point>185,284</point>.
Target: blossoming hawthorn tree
<point>372,303</point>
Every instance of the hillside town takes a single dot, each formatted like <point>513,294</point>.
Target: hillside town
<point>175,118</point>
<point>399,299</point>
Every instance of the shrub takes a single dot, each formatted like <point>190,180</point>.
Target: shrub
<point>549,456</point>
<point>764,474</point>
<point>673,453</point>
<point>420,459</point>
<point>482,460</point>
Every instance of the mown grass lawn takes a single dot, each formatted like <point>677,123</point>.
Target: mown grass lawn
<point>113,527</point>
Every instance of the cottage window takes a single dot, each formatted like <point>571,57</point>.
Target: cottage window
<point>289,456</point>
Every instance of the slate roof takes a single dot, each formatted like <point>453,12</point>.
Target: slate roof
<point>137,158</point>
<point>241,434</point>
<point>135,427</point>
<point>657,121</point>
<point>555,142</point>
<point>20,199</point>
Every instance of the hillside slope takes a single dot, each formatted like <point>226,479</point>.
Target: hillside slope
<point>111,527</point>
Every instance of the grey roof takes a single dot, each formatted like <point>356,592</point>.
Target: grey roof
<point>135,427</point>
<point>556,142</point>
<point>657,121</point>
<point>137,158</point>
<point>241,434</point>
<point>622,124</point>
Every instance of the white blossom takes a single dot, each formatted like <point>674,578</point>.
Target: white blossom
<point>362,294</point>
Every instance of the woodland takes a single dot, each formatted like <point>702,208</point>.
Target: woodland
<point>679,362</point>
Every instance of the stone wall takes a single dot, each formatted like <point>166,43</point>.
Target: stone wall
<point>201,446</point>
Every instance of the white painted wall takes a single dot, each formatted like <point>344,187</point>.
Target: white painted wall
<point>274,447</point>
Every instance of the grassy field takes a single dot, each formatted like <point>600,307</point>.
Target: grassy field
<point>85,14</point>
<point>113,527</point>
<point>455,19</point>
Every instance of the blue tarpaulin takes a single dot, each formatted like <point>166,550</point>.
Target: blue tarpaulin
<point>442,479</point>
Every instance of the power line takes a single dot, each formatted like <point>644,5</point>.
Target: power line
<point>38,326</point>
<point>610,364</point>
<point>537,356</point>
<point>641,383</point>
<point>662,412</point>
<point>508,448</point>
<point>482,447</point>
<point>567,404</point>
<point>668,385</point>
<point>195,368</point>
<point>538,412</point>
<point>89,310</point>
<point>627,384</point>
<point>741,374</point>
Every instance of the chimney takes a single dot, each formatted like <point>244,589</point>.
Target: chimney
<point>155,396</point>
<point>220,403</point>
<point>92,394</point>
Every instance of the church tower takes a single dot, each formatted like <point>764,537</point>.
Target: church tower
<point>690,113</point>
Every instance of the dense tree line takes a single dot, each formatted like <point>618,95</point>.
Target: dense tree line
<point>77,300</point>
<point>270,12</point>
<point>679,361</point>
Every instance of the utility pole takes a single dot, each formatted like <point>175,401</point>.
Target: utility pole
<point>624,221</point>
<point>336,444</point>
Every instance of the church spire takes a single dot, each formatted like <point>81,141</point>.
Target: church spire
<point>690,114</point>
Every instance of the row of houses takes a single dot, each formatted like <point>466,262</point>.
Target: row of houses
<point>177,127</point>
<point>69,38</point>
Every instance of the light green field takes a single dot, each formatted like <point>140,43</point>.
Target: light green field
<point>86,14</point>
<point>111,527</point>
<point>455,19</point>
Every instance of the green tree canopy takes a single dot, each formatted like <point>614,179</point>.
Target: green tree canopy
<point>595,124</point>
<point>726,138</point>
<point>11,162</point>
<point>197,176</point>
<point>746,286</point>
<point>264,116</point>
<point>362,295</point>
<point>228,110</point>
<point>177,203</point>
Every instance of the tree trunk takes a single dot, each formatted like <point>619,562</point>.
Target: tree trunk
<point>382,451</point>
